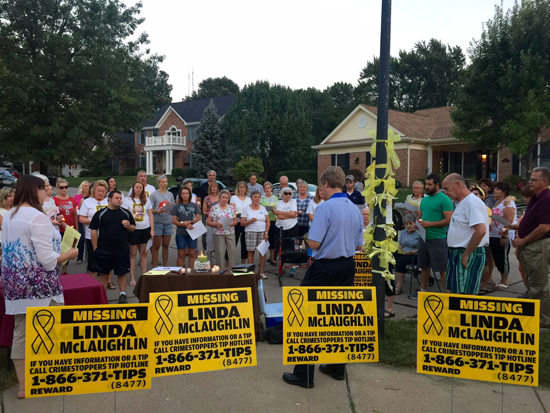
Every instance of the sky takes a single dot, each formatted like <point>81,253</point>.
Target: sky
<point>296,43</point>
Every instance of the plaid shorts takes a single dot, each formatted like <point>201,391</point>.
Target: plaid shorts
<point>253,239</point>
<point>462,280</point>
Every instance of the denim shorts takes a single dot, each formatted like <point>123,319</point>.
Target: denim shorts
<point>163,229</point>
<point>185,241</point>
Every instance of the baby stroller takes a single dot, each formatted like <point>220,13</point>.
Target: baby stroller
<point>292,254</point>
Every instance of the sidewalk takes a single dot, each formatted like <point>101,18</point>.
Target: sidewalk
<point>370,387</point>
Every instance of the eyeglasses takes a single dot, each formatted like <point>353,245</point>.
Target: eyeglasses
<point>63,187</point>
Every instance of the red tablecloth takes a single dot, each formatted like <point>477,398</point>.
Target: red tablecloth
<point>78,289</point>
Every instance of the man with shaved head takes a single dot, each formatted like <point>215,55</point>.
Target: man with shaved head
<point>468,234</point>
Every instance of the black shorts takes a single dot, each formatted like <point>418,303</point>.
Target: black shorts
<point>302,230</point>
<point>106,261</point>
<point>139,236</point>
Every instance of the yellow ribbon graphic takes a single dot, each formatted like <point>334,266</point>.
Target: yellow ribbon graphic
<point>295,300</point>
<point>43,322</point>
<point>434,307</point>
<point>164,305</point>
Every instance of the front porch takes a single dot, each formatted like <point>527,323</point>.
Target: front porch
<point>161,153</point>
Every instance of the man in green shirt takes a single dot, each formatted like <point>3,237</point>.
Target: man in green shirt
<point>436,210</point>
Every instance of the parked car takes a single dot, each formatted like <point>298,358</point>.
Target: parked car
<point>196,183</point>
<point>12,171</point>
<point>7,179</point>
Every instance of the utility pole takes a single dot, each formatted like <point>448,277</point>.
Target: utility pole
<point>381,155</point>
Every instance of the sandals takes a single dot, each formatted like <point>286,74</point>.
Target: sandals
<point>398,290</point>
<point>20,394</point>
<point>501,287</point>
<point>111,286</point>
<point>483,291</point>
<point>389,314</point>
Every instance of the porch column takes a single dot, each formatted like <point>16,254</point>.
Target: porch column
<point>170,161</point>
<point>149,162</point>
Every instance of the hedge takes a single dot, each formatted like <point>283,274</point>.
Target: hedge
<point>177,172</point>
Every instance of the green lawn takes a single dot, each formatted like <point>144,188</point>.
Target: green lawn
<point>124,183</point>
<point>398,348</point>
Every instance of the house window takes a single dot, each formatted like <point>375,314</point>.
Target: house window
<point>544,155</point>
<point>173,160</point>
<point>174,132</point>
<point>141,137</point>
<point>341,160</point>
<point>470,165</point>
<point>142,160</point>
<point>155,132</point>
<point>369,159</point>
<point>455,162</point>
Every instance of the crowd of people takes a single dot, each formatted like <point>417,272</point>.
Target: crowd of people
<point>457,230</point>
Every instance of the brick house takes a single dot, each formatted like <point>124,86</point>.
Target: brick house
<point>426,146</point>
<point>166,141</point>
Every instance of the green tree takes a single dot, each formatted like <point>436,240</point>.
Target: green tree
<point>246,166</point>
<point>209,147</point>
<point>321,112</point>
<point>343,99</point>
<point>214,87</point>
<point>71,76</point>
<point>504,99</point>
<point>420,79</point>
<point>272,124</point>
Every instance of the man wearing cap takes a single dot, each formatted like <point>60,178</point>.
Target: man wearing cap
<point>335,234</point>
<point>353,194</point>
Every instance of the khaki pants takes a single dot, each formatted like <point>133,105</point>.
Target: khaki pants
<point>19,334</point>
<point>224,243</point>
<point>534,257</point>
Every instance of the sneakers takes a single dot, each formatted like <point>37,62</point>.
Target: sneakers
<point>122,299</point>
<point>263,276</point>
<point>414,296</point>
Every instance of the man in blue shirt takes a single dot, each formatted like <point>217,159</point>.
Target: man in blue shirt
<point>334,236</point>
<point>353,194</point>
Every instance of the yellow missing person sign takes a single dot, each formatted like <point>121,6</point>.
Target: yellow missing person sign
<point>470,337</point>
<point>363,270</point>
<point>329,325</point>
<point>203,330</point>
<point>87,349</point>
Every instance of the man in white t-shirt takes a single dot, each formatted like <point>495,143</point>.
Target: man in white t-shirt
<point>149,189</point>
<point>468,234</point>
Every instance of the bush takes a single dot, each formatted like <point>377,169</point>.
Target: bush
<point>307,175</point>
<point>246,166</point>
<point>177,172</point>
<point>84,174</point>
<point>516,182</point>
<point>190,173</point>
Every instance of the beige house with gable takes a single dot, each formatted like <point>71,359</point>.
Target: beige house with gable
<point>426,146</point>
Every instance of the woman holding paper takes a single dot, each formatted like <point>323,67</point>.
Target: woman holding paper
<point>238,202</point>
<point>30,263</point>
<point>142,210</point>
<point>223,220</point>
<point>499,237</point>
<point>255,221</point>
<point>185,214</point>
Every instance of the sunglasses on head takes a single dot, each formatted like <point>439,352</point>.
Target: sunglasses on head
<point>63,187</point>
